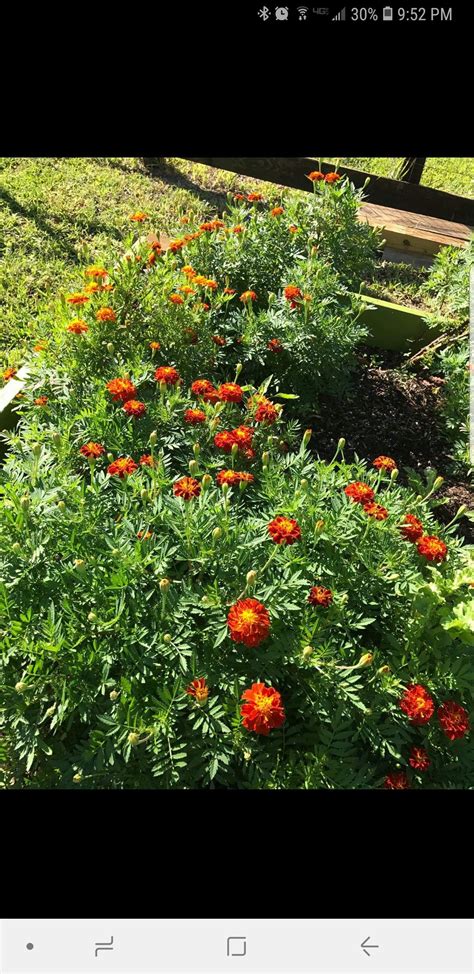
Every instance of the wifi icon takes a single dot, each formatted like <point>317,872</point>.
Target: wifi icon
<point>302,12</point>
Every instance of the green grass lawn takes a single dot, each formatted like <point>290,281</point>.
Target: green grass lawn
<point>454,175</point>
<point>57,213</point>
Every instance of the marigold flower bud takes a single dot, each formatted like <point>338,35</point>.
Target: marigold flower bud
<point>238,369</point>
<point>242,485</point>
<point>235,449</point>
<point>16,546</point>
<point>206,481</point>
<point>366,659</point>
<point>61,506</point>
<point>133,739</point>
<point>308,651</point>
<point>110,347</point>
<point>36,449</point>
<point>110,457</point>
<point>341,443</point>
<point>162,386</point>
<point>225,488</point>
<point>113,694</point>
<point>383,670</point>
<point>265,457</point>
<point>304,483</point>
<point>24,502</point>
<point>77,778</point>
<point>20,687</point>
<point>153,436</point>
<point>438,482</point>
<point>144,495</point>
<point>196,449</point>
<point>217,532</point>
<point>319,526</point>
<point>167,637</point>
<point>92,617</point>
<point>460,511</point>
<point>80,564</point>
<point>307,436</point>
<point>165,584</point>
<point>251,577</point>
<point>56,438</point>
<point>265,468</point>
<point>193,466</point>
<point>394,474</point>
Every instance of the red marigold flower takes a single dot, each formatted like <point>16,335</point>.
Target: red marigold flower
<point>212,396</point>
<point>396,780</point>
<point>106,314</point>
<point>230,392</point>
<point>359,493</point>
<point>417,704</point>
<point>238,229</point>
<point>121,390</point>
<point>200,386</point>
<point>264,709</point>
<point>96,272</point>
<point>320,596</point>
<point>146,460</point>
<point>229,290</point>
<point>121,467</point>
<point>155,346</point>
<point>266,412</point>
<point>199,689</point>
<point>454,719</point>
<point>230,477</point>
<point>41,401</point>
<point>375,510</point>
<point>138,217</point>
<point>218,340</point>
<point>275,345</point>
<point>315,176</point>
<point>224,441</point>
<point>92,450</point>
<point>239,196</point>
<point>419,759</point>
<point>432,548</point>
<point>176,299</point>
<point>203,305</point>
<point>9,374</point>
<point>248,296</point>
<point>247,478</point>
<point>144,535</point>
<point>243,436</point>
<point>248,622</point>
<point>254,197</point>
<point>187,488</point>
<point>165,373</point>
<point>77,327</point>
<point>284,530</point>
<point>277,211</point>
<point>412,528</point>
<point>385,463</point>
<point>331,177</point>
<point>77,298</point>
<point>134,408</point>
<point>293,294</point>
<point>194,416</point>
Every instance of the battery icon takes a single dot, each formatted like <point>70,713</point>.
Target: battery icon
<point>388,13</point>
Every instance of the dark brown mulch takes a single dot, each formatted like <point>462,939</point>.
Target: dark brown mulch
<point>387,413</point>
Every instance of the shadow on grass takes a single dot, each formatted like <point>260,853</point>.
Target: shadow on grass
<point>161,169</point>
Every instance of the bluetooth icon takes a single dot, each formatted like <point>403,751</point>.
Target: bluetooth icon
<point>264,13</point>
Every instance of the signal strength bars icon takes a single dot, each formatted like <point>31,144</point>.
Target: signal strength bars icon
<point>341,15</point>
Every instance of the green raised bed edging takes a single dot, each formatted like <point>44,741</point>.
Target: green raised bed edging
<point>394,327</point>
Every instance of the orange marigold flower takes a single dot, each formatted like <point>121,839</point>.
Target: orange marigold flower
<point>208,226</point>
<point>238,229</point>
<point>187,488</point>
<point>122,467</point>
<point>155,346</point>
<point>106,314</point>
<point>203,306</point>
<point>211,397</point>
<point>275,345</point>
<point>417,704</point>
<point>92,288</point>
<point>412,528</point>
<point>320,596</point>
<point>224,441</point>
<point>396,781</point>
<point>239,196</point>
<point>247,478</point>
<point>96,272</point>
<point>419,759</point>
<point>194,416</point>
<point>277,211</point>
<point>138,217</point>
<point>151,259</point>
<point>40,347</point>
<point>284,530</point>
<point>315,176</point>
<point>247,297</point>
<point>375,510</point>
<point>293,229</point>
<point>233,477</point>
<point>432,548</point>
<point>200,386</point>
<point>229,290</point>
<point>188,270</point>
<point>106,287</point>
<point>134,408</point>
<point>199,689</point>
<point>254,197</point>
<point>121,390</point>
<point>176,299</point>
<point>77,298</point>
<point>77,327</point>
<point>41,401</point>
<point>144,535</point>
<point>359,493</point>
<point>248,622</point>
<point>263,710</point>
<point>146,460</point>
<point>230,392</point>
<point>293,294</point>
<point>211,285</point>
<point>199,279</point>
<point>92,450</point>
<point>266,412</point>
<point>218,340</point>
<point>243,436</point>
<point>186,289</point>
<point>165,373</point>
<point>9,374</point>
<point>332,177</point>
<point>176,245</point>
<point>454,719</point>
<point>385,463</point>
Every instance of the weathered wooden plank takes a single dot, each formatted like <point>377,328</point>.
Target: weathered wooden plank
<point>294,171</point>
<point>413,231</point>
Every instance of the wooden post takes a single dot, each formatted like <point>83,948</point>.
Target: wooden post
<point>411,170</point>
